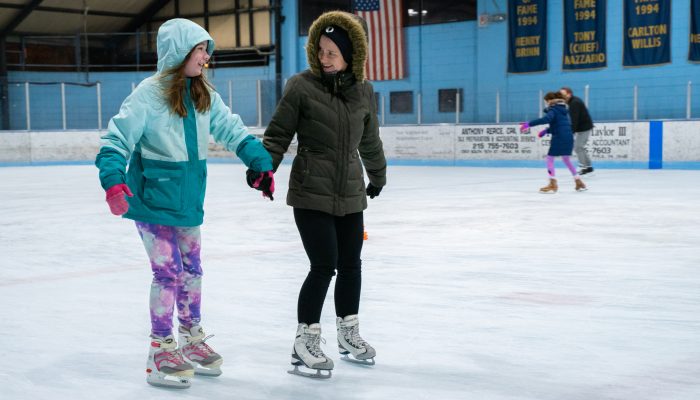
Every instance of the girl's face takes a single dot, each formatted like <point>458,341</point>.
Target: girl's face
<point>329,55</point>
<point>198,58</point>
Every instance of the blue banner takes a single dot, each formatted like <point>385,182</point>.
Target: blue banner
<point>584,35</point>
<point>647,32</point>
<point>694,51</point>
<point>527,34</point>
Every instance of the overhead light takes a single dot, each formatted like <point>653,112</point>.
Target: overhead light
<point>413,13</point>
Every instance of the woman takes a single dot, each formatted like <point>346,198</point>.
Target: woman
<point>331,109</point>
<point>163,127</point>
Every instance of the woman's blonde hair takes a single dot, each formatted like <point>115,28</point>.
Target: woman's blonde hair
<point>175,84</point>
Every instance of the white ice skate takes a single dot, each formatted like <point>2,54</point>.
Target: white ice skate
<point>165,366</point>
<point>205,360</point>
<point>351,344</point>
<point>307,353</point>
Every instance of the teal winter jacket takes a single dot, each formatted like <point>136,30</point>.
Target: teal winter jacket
<point>167,153</point>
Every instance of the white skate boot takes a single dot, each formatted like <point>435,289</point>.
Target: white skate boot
<point>350,342</point>
<point>165,366</point>
<point>307,353</point>
<point>193,347</point>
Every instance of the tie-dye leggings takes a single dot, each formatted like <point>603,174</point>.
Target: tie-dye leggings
<point>177,274</point>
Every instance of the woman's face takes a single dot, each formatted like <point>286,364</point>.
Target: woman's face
<point>198,58</point>
<point>329,55</point>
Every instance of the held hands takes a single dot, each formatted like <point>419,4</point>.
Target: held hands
<point>116,200</point>
<point>373,191</point>
<point>524,127</point>
<point>263,181</point>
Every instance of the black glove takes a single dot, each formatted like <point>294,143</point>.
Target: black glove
<point>373,191</point>
<point>263,181</point>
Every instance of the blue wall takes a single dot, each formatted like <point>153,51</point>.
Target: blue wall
<point>459,55</point>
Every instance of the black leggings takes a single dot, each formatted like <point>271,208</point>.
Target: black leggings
<point>331,243</point>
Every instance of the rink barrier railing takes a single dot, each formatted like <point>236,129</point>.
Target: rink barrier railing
<point>620,144</point>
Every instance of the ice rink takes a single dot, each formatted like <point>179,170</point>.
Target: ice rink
<point>475,287</point>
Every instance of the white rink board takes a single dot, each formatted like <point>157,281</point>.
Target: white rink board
<point>614,142</point>
<point>681,141</point>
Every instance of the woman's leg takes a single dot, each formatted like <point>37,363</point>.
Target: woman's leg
<point>349,231</point>
<point>160,242</point>
<point>318,235</point>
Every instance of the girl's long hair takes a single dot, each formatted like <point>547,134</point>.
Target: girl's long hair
<point>175,84</point>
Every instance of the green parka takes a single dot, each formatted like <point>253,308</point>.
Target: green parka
<point>335,120</point>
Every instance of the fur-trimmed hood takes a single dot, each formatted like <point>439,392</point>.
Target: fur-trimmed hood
<point>357,30</point>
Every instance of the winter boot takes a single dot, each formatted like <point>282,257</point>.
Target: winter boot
<point>350,342</point>
<point>307,352</point>
<point>198,353</point>
<point>580,186</point>
<point>165,366</point>
<point>551,188</point>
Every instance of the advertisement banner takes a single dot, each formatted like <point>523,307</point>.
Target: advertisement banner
<point>527,36</point>
<point>584,35</point>
<point>647,32</point>
<point>494,142</point>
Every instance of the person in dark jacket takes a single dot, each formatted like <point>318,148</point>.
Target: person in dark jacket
<point>331,109</point>
<point>582,126</point>
<point>562,142</point>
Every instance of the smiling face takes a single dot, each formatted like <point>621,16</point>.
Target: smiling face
<point>329,55</point>
<point>198,57</point>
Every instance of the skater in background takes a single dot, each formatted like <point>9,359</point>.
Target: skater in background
<point>562,142</point>
<point>582,126</point>
<point>331,109</point>
<point>162,130</point>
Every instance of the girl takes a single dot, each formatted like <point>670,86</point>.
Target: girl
<point>163,129</point>
<point>562,143</point>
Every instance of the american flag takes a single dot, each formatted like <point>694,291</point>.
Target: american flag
<point>385,58</point>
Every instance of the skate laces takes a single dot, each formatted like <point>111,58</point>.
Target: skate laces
<point>171,357</point>
<point>199,346</point>
<point>313,344</point>
<point>352,335</point>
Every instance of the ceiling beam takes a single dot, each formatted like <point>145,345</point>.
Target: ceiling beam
<point>73,11</point>
<point>144,16</point>
<point>24,13</point>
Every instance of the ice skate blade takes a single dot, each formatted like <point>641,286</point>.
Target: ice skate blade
<point>318,375</point>
<point>168,381</point>
<point>202,371</point>
<point>368,362</point>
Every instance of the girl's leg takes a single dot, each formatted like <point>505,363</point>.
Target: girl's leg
<point>348,284</point>
<point>569,165</point>
<point>318,234</point>
<point>160,242</point>
<point>550,167</point>
<point>189,289</point>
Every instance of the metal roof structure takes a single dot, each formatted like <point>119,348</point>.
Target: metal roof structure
<point>36,17</point>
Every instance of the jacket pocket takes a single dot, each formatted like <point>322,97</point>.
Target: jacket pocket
<point>162,188</point>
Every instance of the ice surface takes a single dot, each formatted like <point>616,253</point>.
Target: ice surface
<point>475,287</point>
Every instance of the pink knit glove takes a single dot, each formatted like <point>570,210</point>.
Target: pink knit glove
<point>116,200</point>
<point>524,127</point>
<point>542,133</point>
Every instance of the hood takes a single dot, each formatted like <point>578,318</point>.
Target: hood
<point>357,30</point>
<point>176,37</point>
<point>558,106</point>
